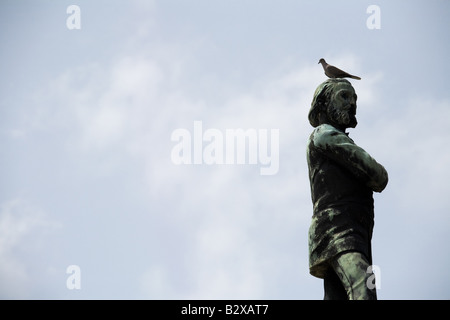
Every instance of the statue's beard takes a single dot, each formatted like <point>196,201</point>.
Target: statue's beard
<point>345,117</point>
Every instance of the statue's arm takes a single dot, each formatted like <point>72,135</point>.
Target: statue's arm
<point>339,147</point>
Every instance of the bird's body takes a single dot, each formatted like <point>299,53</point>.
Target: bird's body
<point>333,72</point>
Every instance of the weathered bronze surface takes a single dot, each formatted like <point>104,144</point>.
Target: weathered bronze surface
<point>343,177</point>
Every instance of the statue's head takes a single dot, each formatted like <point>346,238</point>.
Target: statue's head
<point>334,103</point>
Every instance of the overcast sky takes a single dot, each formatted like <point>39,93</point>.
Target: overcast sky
<point>88,175</point>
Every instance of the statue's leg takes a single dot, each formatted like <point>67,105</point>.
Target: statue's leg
<point>334,290</point>
<point>351,268</point>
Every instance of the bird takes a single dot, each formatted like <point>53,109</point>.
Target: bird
<point>333,72</point>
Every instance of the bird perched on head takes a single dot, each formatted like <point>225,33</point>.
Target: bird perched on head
<point>333,72</point>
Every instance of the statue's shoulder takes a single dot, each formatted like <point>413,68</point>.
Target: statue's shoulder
<point>326,129</point>
<point>324,135</point>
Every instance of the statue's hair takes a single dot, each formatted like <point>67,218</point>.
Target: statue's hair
<point>321,98</point>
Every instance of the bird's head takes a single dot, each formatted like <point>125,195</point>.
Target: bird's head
<point>321,60</point>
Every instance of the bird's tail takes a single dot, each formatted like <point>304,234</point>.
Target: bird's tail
<point>355,77</point>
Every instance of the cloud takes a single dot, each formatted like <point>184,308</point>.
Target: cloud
<point>21,230</point>
<point>97,136</point>
<point>236,223</point>
<point>220,229</point>
<point>420,139</point>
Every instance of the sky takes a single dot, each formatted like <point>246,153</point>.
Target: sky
<point>114,117</point>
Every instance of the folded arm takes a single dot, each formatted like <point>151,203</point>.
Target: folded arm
<point>339,147</point>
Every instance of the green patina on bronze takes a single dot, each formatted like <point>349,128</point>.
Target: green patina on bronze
<point>343,177</point>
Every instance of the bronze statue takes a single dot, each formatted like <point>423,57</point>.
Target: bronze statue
<point>343,177</point>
